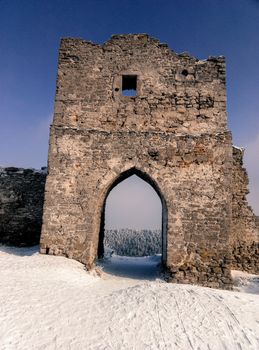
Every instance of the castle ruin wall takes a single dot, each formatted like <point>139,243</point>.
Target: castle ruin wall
<point>21,205</point>
<point>245,224</point>
<point>173,132</point>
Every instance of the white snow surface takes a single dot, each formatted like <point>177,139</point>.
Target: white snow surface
<point>245,282</point>
<point>49,302</point>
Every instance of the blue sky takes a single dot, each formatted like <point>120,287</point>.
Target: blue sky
<point>31,31</point>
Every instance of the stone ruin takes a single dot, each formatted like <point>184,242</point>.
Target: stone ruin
<point>134,106</point>
<point>21,205</point>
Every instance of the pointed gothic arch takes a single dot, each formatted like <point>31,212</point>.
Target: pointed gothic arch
<point>147,178</point>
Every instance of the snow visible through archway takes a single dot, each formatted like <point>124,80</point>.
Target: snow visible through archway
<point>133,229</point>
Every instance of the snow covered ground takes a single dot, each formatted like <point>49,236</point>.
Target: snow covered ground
<point>244,282</point>
<point>49,302</point>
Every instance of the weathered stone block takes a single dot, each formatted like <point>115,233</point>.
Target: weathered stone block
<point>21,205</point>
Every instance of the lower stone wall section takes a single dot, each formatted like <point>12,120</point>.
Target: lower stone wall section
<point>245,257</point>
<point>213,273</point>
<point>191,173</point>
<point>21,205</point>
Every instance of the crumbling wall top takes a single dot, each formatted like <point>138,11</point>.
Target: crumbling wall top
<point>171,92</point>
<point>136,39</point>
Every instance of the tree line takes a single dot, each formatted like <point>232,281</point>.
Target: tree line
<point>130,242</point>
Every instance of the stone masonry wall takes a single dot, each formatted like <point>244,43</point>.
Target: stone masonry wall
<point>176,93</point>
<point>21,198</point>
<point>245,228</point>
<point>21,205</point>
<point>173,133</point>
<point>190,171</point>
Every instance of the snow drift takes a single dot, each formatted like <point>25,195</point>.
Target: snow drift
<point>49,302</point>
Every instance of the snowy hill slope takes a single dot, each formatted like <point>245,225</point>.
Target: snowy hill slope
<point>49,302</point>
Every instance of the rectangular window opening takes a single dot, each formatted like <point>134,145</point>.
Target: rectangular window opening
<point>129,85</point>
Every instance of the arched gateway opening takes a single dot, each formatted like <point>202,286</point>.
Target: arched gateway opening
<point>161,230</point>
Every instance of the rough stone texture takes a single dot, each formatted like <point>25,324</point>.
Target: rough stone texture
<point>245,225</point>
<point>173,134</point>
<point>21,205</point>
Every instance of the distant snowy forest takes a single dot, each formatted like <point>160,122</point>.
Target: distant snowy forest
<point>128,242</point>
